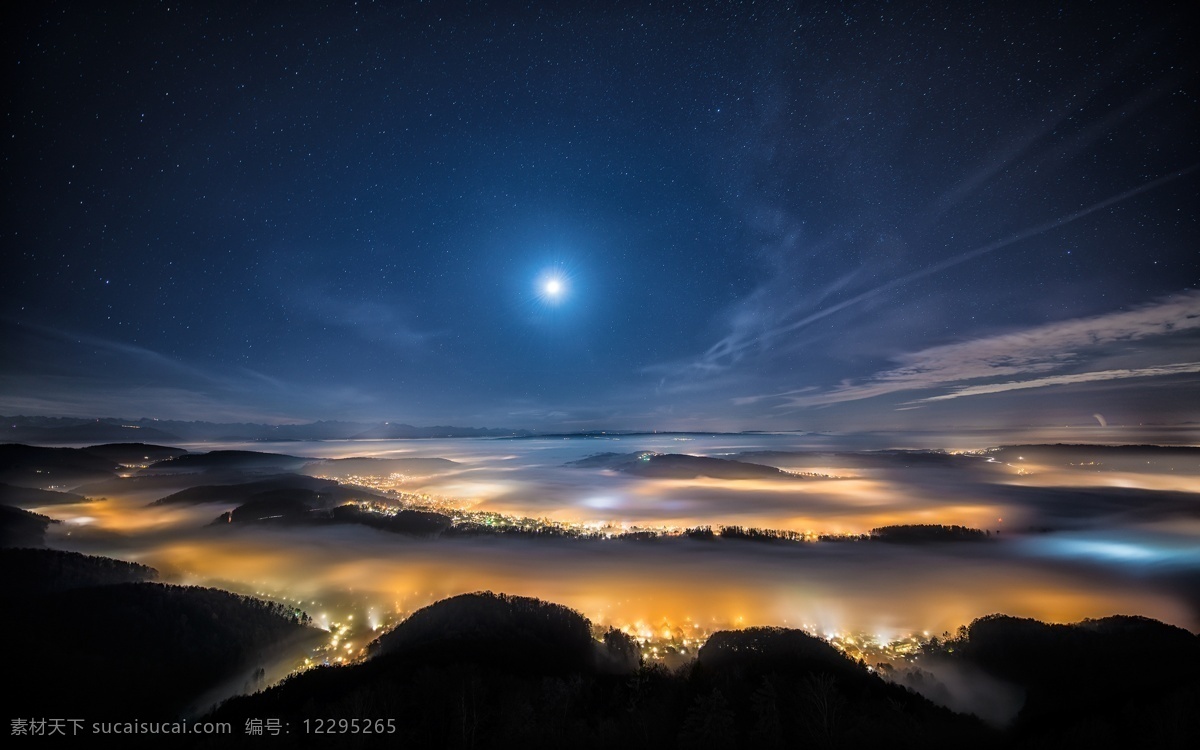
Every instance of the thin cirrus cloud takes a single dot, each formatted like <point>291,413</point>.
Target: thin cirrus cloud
<point>373,321</point>
<point>1039,351</point>
<point>1080,377</point>
<point>748,333</point>
<point>123,378</point>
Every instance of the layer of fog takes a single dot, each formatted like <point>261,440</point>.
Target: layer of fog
<point>1111,549</point>
<point>881,589</point>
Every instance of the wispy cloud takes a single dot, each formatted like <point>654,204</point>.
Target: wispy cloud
<point>1079,377</point>
<point>132,359</point>
<point>376,322</point>
<point>110,377</point>
<point>1034,351</point>
<point>750,331</point>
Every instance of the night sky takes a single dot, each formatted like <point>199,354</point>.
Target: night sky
<point>843,216</point>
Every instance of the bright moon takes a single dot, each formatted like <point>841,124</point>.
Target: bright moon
<point>552,286</point>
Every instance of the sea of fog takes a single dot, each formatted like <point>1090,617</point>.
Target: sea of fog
<point>1070,539</point>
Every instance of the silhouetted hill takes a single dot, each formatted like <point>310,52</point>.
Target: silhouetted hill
<point>51,468</point>
<point>1117,681</point>
<point>300,506</point>
<point>94,467</point>
<point>1141,458</point>
<point>882,459</point>
<point>32,572</point>
<point>287,497</point>
<point>164,484</point>
<point>679,466</point>
<point>759,651</point>
<point>252,461</point>
<point>343,468</point>
<point>478,670</point>
<point>20,528</point>
<point>413,522</point>
<point>783,687</point>
<point>485,670</point>
<point>136,650</point>
<point>281,505</point>
<point>133,454</point>
<point>241,491</point>
<point>31,497</point>
<point>512,632</point>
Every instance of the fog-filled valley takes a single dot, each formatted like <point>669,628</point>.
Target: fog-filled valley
<point>659,541</point>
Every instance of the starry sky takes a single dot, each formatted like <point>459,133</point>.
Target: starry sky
<point>758,215</point>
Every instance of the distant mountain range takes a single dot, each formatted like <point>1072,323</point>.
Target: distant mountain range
<point>43,430</point>
<point>67,430</point>
<point>680,466</point>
